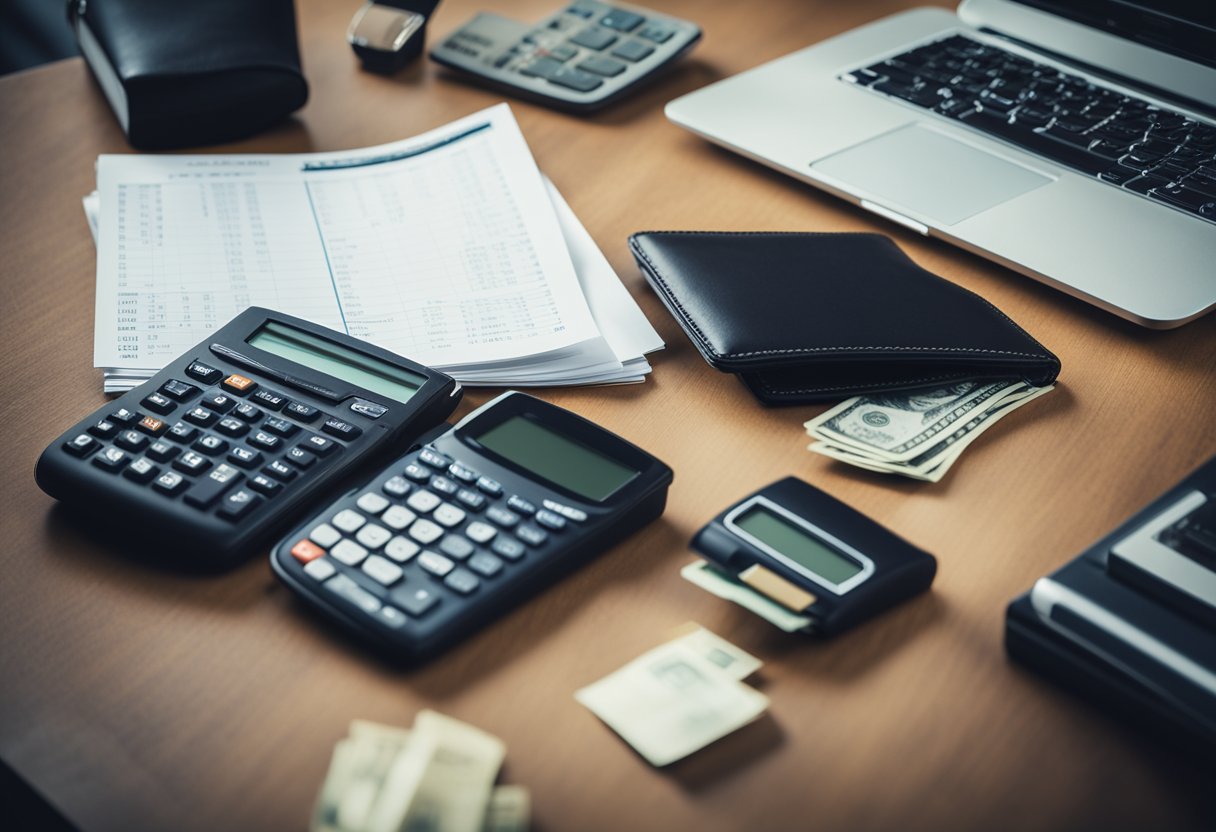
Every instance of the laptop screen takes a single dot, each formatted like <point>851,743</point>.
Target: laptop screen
<point>1185,28</point>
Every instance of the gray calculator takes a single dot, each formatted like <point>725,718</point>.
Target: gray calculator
<point>582,58</point>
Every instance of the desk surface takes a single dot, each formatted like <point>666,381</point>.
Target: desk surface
<point>136,699</point>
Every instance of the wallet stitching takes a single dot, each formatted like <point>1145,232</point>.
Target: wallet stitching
<point>637,249</point>
<point>878,385</point>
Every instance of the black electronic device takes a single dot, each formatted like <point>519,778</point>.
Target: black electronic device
<point>581,58</point>
<point>457,532</point>
<point>813,555</point>
<point>388,34</point>
<point>217,452</point>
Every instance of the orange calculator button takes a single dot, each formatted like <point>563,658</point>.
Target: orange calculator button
<point>152,425</point>
<point>306,551</point>
<point>240,384</point>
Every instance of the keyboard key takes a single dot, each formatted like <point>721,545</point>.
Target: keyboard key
<point>462,472</point>
<point>192,463</point>
<point>372,503</point>
<point>382,570</point>
<point>396,486</point>
<point>600,65</point>
<point>576,79</point>
<point>159,403</point>
<point>181,432</point>
<point>202,417</point>
<point>124,416</point>
<point>633,51</point>
<point>203,372</point>
<point>416,602</point>
<point>417,473</point>
<point>391,617</point>
<point>550,520</point>
<point>269,399</point>
<point>141,470</point>
<point>373,536</point>
<point>520,505</point>
<point>485,564</point>
<point>341,429</point>
<point>231,427</point>
<point>423,501</point>
<point>320,569</point>
<point>221,403</point>
<point>401,549</point>
<point>179,390</point>
<point>431,457</point>
<point>162,451</point>
<point>595,38</point>
<point>542,67</point>
<point>435,563</point>
<point>266,441</point>
<point>344,587</point>
<point>569,512</point>
<point>398,517</point>
<point>238,504</point>
<point>265,485</point>
<point>300,457</point>
<point>455,546</point>
<point>424,531</point>
<point>504,518</point>
<point>448,515</point>
<point>280,471</point>
<point>303,412</point>
<point>471,499</point>
<point>280,427</point>
<point>489,486</point>
<point>622,21</point>
<point>480,532</point>
<point>462,581</point>
<point>508,548</point>
<point>656,33</point>
<point>369,409</point>
<point>211,445</point>
<point>348,520</point>
<point>348,551</point>
<point>443,485</point>
<point>245,457</point>
<point>104,429</point>
<point>170,483</point>
<point>82,445</point>
<point>531,535</point>
<point>324,535</point>
<point>131,440</point>
<point>152,426</point>
<point>246,411</point>
<point>319,445</point>
<point>241,385</point>
<point>211,487</point>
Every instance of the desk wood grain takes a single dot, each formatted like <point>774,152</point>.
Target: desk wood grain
<point>138,699</point>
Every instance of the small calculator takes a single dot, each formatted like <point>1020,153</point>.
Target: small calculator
<point>582,58</point>
<point>455,533</point>
<point>214,455</point>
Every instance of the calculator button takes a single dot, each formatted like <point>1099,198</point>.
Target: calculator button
<point>151,425</point>
<point>82,445</point>
<point>581,11</point>
<point>124,416</point>
<point>348,551</point>
<point>400,549</point>
<point>455,546</point>
<point>369,409</point>
<point>633,51</point>
<point>621,20</point>
<point>416,602</point>
<point>575,79</point>
<point>201,416</point>
<point>240,384</point>
<point>192,463</point>
<point>392,617</point>
<point>269,399</point>
<point>443,485</point>
<point>489,486</point>
<point>372,503</point>
<point>433,458</point>
<point>424,531</point>
<point>162,451</point>
<point>480,532</point>
<point>181,432</point>
<point>483,563</point>
<point>211,487</point>
<point>373,536</point>
<point>245,457</point>
<point>169,482</point>
<point>434,563</point>
<point>462,580</point>
<point>519,504</point>
<point>239,503</point>
<point>141,470</point>
<point>343,430</point>
<point>281,472</point>
<point>396,486</point>
<point>398,517</point>
<point>531,535</point>
<point>324,535</point>
<point>281,426</point>
<point>656,33</point>
<point>104,429</point>
<point>131,440</point>
<point>158,403</point>
<point>211,445</point>
<point>417,473</point>
<point>319,445</point>
<point>382,570</point>
<point>300,457</point>
<point>349,520</point>
<point>508,548</point>
<point>594,38</point>
<point>262,439</point>
<point>246,411</point>
<point>471,499</point>
<point>462,472</point>
<point>562,52</point>
<point>422,501</point>
<point>305,551</point>
<point>301,411</point>
<point>502,517</point>
<point>550,520</point>
<point>231,427</point>
<point>179,390</point>
<point>543,67</point>
<point>219,402</point>
<point>449,515</point>
<point>203,372</point>
<point>265,485</point>
<point>608,67</point>
<point>344,587</point>
<point>569,512</point>
<point>320,569</point>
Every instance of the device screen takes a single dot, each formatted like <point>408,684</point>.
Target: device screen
<point>557,458</point>
<point>778,533</point>
<point>338,361</point>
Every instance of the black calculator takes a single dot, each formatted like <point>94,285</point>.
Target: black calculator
<point>454,533</point>
<point>213,456</point>
<point>584,57</point>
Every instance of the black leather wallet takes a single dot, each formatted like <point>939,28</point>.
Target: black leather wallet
<point>804,317</point>
<point>181,74</point>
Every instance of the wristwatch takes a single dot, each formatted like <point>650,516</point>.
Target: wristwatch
<point>388,34</point>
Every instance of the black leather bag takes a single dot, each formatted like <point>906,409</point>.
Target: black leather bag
<point>181,74</point>
<point>810,317</point>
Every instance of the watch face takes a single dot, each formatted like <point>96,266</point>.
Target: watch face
<point>383,28</point>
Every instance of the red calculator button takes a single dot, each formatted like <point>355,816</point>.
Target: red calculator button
<point>306,551</point>
<point>239,384</point>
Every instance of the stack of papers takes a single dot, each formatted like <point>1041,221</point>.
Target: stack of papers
<point>449,248</point>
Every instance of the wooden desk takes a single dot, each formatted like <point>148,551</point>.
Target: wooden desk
<point>136,699</point>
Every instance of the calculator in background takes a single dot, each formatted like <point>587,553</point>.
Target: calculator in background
<point>582,58</point>
<point>215,454</point>
<point>457,532</point>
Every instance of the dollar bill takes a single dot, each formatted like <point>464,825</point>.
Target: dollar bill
<point>357,772</point>
<point>509,810</point>
<point>711,580</point>
<point>672,701</point>
<point>739,664</point>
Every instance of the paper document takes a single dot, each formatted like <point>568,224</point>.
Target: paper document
<point>448,248</point>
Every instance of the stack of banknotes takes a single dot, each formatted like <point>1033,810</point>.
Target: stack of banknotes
<point>678,697</point>
<point>917,433</point>
<point>437,776</point>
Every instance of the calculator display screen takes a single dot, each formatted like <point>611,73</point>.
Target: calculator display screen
<point>557,458</point>
<point>803,549</point>
<point>397,383</point>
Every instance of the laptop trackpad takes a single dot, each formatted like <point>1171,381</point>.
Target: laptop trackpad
<point>920,170</point>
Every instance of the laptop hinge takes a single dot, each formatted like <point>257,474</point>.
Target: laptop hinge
<point>896,217</point>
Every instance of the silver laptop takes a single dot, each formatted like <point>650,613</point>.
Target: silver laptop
<point>1073,141</point>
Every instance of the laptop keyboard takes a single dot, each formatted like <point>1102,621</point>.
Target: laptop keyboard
<point>1124,141</point>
